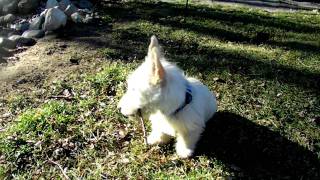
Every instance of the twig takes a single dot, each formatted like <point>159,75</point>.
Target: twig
<point>62,97</point>
<point>187,4</point>
<point>186,8</point>
<point>143,127</point>
<point>60,167</point>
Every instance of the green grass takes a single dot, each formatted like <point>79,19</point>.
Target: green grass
<point>264,68</point>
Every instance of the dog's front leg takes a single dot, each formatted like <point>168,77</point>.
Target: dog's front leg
<point>161,130</point>
<point>186,142</point>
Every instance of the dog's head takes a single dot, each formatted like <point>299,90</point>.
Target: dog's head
<point>145,83</point>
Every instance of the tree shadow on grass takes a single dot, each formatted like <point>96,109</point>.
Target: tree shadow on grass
<point>132,42</point>
<point>271,4</point>
<point>143,10</point>
<point>225,25</point>
<point>206,60</point>
<point>259,37</point>
<point>251,150</point>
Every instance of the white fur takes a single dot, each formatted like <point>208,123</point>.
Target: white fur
<point>162,99</point>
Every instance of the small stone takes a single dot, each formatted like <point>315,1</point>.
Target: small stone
<point>14,37</point>
<point>74,60</point>
<point>63,46</point>
<point>36,23</point>
<point>2,61</point>
<point>63,4</point>
<point>33,34</point>
<point>13,33</point>
<point>21,81</point>
<point>216,79</point>
<point>317,120</point>
<point>21,26</point>
<point>66,93</point>
<point>27,6</point>
<point>9,6</point>
<point>22,41</point>
<point>6,115</point>
<point>39,143</point>
<point>43,14</point>
<point>102,104</point>
<point>122,133</point>
<point>85,4</point>
<point>4,53</point>
<point>51,4</point>
<point>88,19</point>
<point>76,17</point>
<point>70,10</point>
<point>55,18</point>
<point>9,18</point>
<point>7,43</point>
<point>125,160</point>
<point>58,152</point>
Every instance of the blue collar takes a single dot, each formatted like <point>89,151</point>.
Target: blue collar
<point>187,100</point>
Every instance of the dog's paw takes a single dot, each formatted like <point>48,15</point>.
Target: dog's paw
<point>153,139</point>
<point>184,152</point>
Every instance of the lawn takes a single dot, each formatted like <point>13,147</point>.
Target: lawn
<point>264,68</point>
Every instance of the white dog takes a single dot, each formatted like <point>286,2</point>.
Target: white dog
<point>179,106</point>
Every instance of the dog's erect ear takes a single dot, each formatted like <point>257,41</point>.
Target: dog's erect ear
<point>153,43</point>
<point>158,72</point>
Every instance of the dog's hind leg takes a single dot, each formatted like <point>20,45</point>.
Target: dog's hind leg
<point>158,138</point>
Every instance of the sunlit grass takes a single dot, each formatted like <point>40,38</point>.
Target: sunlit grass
<point>263,67</point>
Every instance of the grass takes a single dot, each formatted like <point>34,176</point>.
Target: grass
<point>264,68</point>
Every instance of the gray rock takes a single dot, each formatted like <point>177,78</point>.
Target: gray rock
<point>9,6</point>
<point>22,26</point>
<point>7,43</point>
<point>1,59</point>
<point>70,10</point>
<point>85,4</point>
<point>14,37</point>
<point>22,41</point>
<point>51,4</point>
<point>27,6</point>
<point>33,34</point>
<point>43,14</point>
<point>4,53</point>
<point>50,35</point>
<point>76,17</point>
<point>36,23</point>
<point>88,19</point>
<point>13,33</point>
<point>54,19</point>
<point>63,4</point>
<point>9,18</point>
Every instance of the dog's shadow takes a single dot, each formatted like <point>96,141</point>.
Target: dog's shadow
<point>251,150</point>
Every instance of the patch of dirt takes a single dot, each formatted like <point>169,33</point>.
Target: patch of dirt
<point>48,60</point>
<point>30,70</point>
<point>28,73</point>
